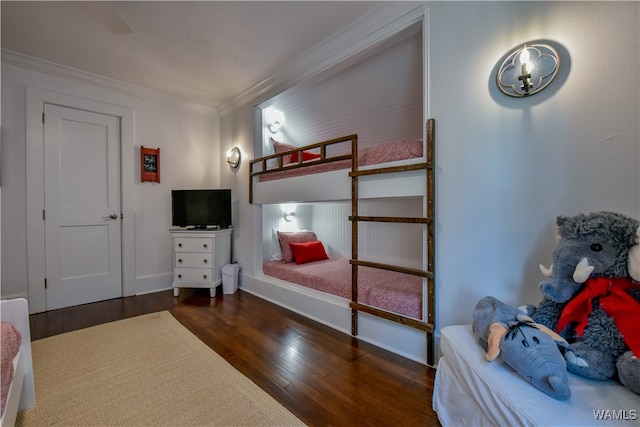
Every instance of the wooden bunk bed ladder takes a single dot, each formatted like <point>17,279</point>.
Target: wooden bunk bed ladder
<point>429,325</point>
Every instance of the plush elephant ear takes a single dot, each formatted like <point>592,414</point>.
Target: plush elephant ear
<point>496,331</point>
<point>634,258</point>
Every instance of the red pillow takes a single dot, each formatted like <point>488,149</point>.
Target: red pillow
<point>305,156</point>
<point>286,238</point>
<point>281,147</point>
<point>307,252</point>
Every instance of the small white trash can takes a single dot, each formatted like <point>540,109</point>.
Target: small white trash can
<point>230,278</point>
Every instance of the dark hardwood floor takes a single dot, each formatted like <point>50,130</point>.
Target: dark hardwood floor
<point>324,377</point>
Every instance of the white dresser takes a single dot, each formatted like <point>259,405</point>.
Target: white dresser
<point>198,257</point>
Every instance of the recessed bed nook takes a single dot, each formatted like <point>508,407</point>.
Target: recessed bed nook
<point>343,193</point>
<point>382,247</point>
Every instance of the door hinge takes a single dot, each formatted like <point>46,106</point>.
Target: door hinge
<point>44,215</point>
<point>45,283</point>
<point>42,118</point>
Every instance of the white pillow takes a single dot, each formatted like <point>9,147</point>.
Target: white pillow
<point>276,250</point>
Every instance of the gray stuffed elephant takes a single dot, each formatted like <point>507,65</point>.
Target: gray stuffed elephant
<point>532,350</point>
<point>592,296</point>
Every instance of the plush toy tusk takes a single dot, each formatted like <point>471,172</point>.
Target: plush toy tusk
<point>496,332</point>
<point>583,271</point>
<point>634,259</point>
<point>546,271</point>
<point>570,357</point>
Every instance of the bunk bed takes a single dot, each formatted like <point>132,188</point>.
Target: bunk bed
<point>404,177</point>
<point>382,153</point>
<point>334,159</point>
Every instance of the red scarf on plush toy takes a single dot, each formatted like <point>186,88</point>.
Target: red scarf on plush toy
<point>614,300</point>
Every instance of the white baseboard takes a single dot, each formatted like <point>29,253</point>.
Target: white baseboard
<point>153,283</point>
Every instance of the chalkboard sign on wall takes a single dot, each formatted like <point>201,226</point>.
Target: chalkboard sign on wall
<point>150,164</point>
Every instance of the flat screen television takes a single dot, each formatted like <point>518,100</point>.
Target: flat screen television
<point>201,209</point>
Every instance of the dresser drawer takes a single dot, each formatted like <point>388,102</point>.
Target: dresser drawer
<point>193,275</point>
<point>193,244</point>
<point>193,259</point>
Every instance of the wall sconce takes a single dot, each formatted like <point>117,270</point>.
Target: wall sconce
<point>274,119</point>
<point>528,70</point>
<point>289,216</point>
<point>233,157</point>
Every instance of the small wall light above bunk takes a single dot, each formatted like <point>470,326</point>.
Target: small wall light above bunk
<point>288,211</point>
<point>274,119</point>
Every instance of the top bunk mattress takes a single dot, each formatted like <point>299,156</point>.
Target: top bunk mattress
<point>471,391</point>
<point>382,153</point>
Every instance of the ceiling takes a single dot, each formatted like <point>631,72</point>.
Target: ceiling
<point>205,52</point>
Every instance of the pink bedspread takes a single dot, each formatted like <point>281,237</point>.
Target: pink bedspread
<point>387,152</point>
<point>9,345</point>
<point>396,292</point>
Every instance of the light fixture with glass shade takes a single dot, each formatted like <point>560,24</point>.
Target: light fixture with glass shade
<point>528,69</point>
<point>233,157</point>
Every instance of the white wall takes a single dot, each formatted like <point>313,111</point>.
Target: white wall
<point>188,138</point>
<point>507,167</point>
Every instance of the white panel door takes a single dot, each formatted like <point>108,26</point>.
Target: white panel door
<point>82,206</point>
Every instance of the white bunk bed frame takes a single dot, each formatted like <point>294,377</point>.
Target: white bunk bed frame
<point>382,181</point>
<point>21,393</point>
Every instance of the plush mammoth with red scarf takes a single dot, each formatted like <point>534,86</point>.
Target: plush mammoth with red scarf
<point>592,296</point>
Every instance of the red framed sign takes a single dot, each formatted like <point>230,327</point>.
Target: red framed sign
<point>149,164</point>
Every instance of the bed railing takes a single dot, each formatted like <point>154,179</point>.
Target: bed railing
<point>265,168</point>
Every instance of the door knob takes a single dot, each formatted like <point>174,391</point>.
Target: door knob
<point>112,216</point>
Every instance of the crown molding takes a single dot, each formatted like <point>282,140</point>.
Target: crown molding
<point>374,27</point>
<point>63,71</point>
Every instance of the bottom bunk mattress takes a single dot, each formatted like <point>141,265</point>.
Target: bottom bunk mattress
<point>468,391</point>
<point>391,291</point>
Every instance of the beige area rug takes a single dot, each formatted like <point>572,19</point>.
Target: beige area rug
<point>147,370</point>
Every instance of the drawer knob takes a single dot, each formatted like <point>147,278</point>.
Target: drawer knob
<point>205,245</point>
<point>205,261</point>
<point>179,260</point>
<point>204,276</point>
<point>179,276</point>
<point>179,245</point>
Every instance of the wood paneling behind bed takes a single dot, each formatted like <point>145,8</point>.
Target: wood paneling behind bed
<point>380,98</point>
<point>399,244</point>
